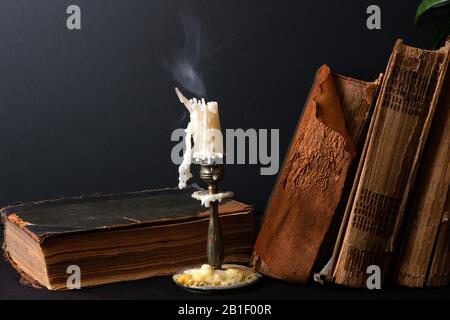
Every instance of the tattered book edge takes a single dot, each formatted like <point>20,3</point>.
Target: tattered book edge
<point>25,279</point>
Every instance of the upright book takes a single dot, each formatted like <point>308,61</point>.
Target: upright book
<point>375,213</point>
<point>425,254</point>
<point>304,211</point>
<point>118,237</point>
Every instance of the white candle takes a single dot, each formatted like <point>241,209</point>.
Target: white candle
<point>204,129</point>
<point>209,145</point>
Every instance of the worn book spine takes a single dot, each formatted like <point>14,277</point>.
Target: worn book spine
<point>357,99</point>
<point>407,103</point>
<point>326,273</point>
<point>425,254</point>
<point>310,186</point>
<point>439,274</point>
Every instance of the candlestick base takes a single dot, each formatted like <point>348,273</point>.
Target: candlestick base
<point>250,278</point>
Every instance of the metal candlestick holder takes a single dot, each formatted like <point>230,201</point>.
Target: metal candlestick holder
<point>212,174</point>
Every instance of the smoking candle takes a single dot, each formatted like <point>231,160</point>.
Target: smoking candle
<point>204,129</point>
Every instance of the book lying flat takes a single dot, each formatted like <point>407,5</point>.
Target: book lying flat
<point>118,237</point>
<point>303,214</point>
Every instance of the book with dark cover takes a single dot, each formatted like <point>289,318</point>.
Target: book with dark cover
<point>118,237</point>
<point>303,215</point>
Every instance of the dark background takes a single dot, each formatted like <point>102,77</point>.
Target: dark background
<point>93,110</point>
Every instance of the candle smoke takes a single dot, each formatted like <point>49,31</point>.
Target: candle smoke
<point>185,68</point>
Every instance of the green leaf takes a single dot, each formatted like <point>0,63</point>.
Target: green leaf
<point>426,5</point>
<point>441,34</point>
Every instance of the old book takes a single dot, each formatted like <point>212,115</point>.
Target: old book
<point>425,254</point>
<point>403,116</point>
<point>118,237</point>
<point>302,216</point>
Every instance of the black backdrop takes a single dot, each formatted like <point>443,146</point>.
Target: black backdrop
<point>93,110</point>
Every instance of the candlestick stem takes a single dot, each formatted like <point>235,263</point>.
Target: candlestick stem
<point>212,174</point>
<point>215,247</point>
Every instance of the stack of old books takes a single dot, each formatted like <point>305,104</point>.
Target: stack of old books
<point>365,183</point>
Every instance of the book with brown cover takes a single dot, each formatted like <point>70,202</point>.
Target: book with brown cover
<point>302,216</point>
<point>403,115</point>
<point>118,237</point>
<point>425,254</point>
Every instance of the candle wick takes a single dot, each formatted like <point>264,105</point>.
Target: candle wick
<point>183,100</point>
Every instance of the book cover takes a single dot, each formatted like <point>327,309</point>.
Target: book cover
<point>302,215</point>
